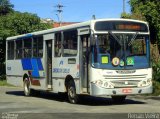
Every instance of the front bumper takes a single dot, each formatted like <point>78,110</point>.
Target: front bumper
<point>99,91</point>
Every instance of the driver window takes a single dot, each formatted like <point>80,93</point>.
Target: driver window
<point>104,44</point>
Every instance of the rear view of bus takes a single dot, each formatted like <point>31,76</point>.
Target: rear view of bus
<point>120,53</point>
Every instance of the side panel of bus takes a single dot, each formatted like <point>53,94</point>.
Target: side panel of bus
<point>14,72</point>
<point>65,57</point>
<point>65,60</point>
<point>26,61</point>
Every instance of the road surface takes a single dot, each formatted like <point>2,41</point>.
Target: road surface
<point>14,105</point>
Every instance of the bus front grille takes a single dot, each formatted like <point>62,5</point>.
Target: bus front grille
<point>130,77</point>
<point>125,83</point>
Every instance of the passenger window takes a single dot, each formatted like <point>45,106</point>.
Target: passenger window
<point>19,54</point>
<point>70,43</point>
<point>10,50</point>
<point>57,45</point>
<point>38,46</point>
<point>27,48</point>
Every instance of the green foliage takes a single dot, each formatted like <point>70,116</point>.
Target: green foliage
<point>156,70</point>
<point>125,15</point>
<point>21,23</point>
<point>156,88</point>
<point>4,83</point>
<point>5,7</point>
<point>149,11</point>
<point>15,23</point>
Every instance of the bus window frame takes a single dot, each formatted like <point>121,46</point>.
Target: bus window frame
<point>8,54</point>
<point>70,30</point>
<point>22,55</point>
<point>37,46</point>
<point>22,48</point>
<point>61,37</point>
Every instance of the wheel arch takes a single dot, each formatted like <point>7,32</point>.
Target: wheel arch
<point>67,80</point>
<point>25,76</point>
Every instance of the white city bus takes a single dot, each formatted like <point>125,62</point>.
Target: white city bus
<point>98,58</point>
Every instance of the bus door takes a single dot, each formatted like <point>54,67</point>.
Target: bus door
<point>84,59</point>
<point>48,59</point>
<point>49,63</point>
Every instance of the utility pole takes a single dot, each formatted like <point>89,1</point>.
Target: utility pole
<point>59,10</point>
<point>124,11</point>
<point>93,17</point>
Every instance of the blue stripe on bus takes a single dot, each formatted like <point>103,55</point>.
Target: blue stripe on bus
<point>33,64</point>
<point>26,64</point>
<point>35,72</point>
<point>40,66</point>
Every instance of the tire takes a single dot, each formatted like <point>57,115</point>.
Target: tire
<point>119,99</point>
<point>71,91</point>
<point>26,86</point>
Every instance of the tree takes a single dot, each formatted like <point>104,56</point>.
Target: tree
<point>150,11</point>
<point>125,15</point>
<point>16,23</point>
<point>22,23</point>
<point>147,10</point>
<point>5,7</point>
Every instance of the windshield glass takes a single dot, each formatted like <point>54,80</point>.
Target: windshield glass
<point>121,51</point>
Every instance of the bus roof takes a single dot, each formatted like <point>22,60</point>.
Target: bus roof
<point>72,26</point>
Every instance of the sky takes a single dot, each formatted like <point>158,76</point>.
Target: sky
<point>73,10</point>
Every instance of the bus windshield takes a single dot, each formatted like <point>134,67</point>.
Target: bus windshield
<point>121,51</point>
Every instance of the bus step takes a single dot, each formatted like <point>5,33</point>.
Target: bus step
<point>49,87</point>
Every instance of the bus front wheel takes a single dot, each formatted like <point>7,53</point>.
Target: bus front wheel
<point>72,96</point>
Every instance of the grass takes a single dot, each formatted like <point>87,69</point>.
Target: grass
<point>4,83</point>
<point>156,88</point>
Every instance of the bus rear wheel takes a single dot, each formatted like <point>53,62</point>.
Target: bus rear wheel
<point>71,91</point>
<point>119,99</point>
<point>27,90</point>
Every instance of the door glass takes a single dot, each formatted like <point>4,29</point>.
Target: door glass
<point>49,62</point>
<point>85,60</point>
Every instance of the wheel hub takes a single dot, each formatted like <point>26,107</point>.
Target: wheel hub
<point>71,92</point>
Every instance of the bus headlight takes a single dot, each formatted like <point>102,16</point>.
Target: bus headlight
<point>145,83</point>
<point>103,84</point>
<point>99,83</point>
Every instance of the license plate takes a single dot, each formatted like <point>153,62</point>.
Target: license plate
<point>127,90</point>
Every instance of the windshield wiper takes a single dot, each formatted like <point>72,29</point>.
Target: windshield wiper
<point>133,38</point>
<point>115,37</point>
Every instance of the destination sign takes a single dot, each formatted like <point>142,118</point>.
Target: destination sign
<point>121,26</point>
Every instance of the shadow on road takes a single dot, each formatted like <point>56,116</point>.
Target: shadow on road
<point>99,101</point>
<point>84,99</point>
<point>16,93</point>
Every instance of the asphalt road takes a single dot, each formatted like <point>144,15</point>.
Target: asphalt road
<point>14,105</point>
